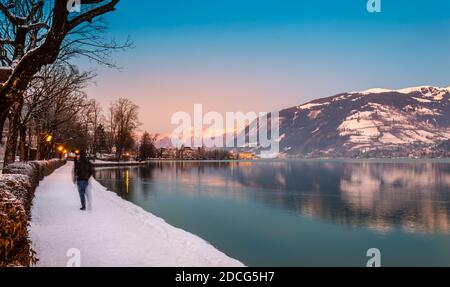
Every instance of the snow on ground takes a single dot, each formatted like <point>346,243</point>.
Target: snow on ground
<point>112,233</point>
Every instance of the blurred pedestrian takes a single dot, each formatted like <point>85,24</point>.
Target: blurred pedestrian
<point>82,173</point>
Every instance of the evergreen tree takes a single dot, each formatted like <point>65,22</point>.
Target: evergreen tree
<point>147,147</point>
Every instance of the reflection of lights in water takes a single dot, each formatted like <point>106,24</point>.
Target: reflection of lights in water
<point>126,180</point>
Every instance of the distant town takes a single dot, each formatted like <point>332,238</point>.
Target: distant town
<point>183,153</point>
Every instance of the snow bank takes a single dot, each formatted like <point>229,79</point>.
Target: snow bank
<point>35,170</point>
<point>19,186</point>
<point>113,232</point>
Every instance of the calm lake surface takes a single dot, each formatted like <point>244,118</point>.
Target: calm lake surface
<point>301,213</point>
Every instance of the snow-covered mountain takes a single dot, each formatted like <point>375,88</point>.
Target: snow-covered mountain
<point>376,122</point>
<point>164,142</point>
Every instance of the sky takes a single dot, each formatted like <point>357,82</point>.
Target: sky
<point>267,55</point>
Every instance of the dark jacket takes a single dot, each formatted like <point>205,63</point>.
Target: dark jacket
<point>83,169</point>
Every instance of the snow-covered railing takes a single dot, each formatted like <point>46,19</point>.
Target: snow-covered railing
<point>17,185</point>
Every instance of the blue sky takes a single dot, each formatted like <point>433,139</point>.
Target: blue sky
<point>265,55</point>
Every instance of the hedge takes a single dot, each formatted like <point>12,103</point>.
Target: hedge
<point>17,186</point>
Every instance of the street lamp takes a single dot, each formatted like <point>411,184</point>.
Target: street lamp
<point>48,147</point>
<point>60,150</point>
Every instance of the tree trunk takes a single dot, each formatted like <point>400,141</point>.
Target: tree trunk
<point>11,144</point>
<point>3,117</point>
<point>94,147</point>
<point>42,149</point>
<point>29,142</point>
<point>39,154</point>
<point>23,142</point>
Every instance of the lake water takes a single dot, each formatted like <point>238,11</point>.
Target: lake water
<point>301,213</point>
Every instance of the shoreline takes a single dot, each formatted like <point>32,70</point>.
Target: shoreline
<point>114,232</point>
<point>311,160</point>
<point>117,163</point>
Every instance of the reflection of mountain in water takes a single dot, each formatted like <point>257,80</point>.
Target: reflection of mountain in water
<point>414,196</point>
<point>380,196</point>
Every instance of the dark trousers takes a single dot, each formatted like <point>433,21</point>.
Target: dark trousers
<point>82,186</point>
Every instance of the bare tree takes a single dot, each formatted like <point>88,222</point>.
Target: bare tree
<point>94,115</point>
<point>55,82</point>
<point>112,127</point>
<point>125,120</point>
<point>64,106</point>
<point>89,119</point>
<point>35,33</point>
<point>11,144</point>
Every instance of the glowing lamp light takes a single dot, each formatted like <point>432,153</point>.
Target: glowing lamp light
<point>60,149</point>
<point>49,138</point>
<point>77,152</point>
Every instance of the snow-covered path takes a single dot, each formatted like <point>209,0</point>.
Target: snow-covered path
<point>113,233</point>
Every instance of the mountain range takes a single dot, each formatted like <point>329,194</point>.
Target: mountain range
<point>377,123</point>
<point>411,122</point>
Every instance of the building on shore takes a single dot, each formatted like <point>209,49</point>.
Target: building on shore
<point>246,156</point>
<point>188,153</point>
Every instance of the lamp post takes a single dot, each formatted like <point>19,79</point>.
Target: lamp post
<point>60,150</point>
<point>48,138</point>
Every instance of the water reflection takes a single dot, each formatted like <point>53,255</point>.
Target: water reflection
<point>412,197</point>
<point>381,196</point>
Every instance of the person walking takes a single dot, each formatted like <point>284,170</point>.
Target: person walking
<point>82,173</point>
